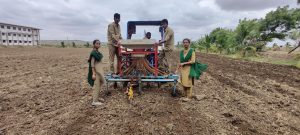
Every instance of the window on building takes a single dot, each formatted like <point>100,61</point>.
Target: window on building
<point>29,35</point>
<point>14,28</point>
<point>24,35</point>
<point>8,27</point>
<point>8,34</point>
<point>15,41</point>
<point>15,35</point>
<point>25,41</point>
<point>3,34</point>
<point>19,28</point>
<point>29,41</point>
<point>20,41</point>
<point>2,26</point>
<point>9,41</point>
<point>24,29</point>
<point>19,35</point>
<point>4,41</point>
<point>29,29</point>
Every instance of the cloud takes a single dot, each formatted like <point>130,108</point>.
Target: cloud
<point>88,19</point>
<point>252,5</point>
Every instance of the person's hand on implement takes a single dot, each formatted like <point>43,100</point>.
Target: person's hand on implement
<point>118,43</point>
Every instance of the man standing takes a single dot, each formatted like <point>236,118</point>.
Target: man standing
<point>113,37</point>
<point>169,45</point>
<point>148,35</point>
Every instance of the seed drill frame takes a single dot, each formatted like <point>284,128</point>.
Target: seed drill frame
<point>138,60</point>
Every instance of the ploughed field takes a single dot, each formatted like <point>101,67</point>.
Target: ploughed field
<point>44,91</point>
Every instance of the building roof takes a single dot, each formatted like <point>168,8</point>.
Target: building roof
<point>19,25</point>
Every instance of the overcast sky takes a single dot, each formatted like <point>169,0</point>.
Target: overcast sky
<point>88,19</point>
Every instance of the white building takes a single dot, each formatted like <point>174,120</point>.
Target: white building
<point>11,34</point>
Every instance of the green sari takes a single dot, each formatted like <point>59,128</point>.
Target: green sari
<point>196,68</point>
<point>98,57</point>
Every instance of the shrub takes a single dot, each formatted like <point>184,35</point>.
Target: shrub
<point>248,51</point>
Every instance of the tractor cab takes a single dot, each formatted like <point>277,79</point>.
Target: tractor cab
<point>131,27</point>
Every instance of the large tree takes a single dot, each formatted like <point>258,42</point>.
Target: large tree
<point>278,22</point>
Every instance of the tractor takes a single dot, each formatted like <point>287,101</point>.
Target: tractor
<point>138,60</point>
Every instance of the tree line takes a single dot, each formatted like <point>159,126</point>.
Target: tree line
<point>251,35</point>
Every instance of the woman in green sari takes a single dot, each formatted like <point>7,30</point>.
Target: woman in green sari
<point>187,58</point>
<point>96,74</point>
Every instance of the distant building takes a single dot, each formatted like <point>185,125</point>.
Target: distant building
<point>11,34</point>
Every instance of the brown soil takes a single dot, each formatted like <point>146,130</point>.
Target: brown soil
<point>44,91</point>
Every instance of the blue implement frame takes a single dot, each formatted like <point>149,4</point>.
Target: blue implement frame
<point>139,79</point>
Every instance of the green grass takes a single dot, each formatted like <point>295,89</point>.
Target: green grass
<point>292,62</point>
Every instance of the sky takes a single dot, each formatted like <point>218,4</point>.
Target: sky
<point>88,19</point>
